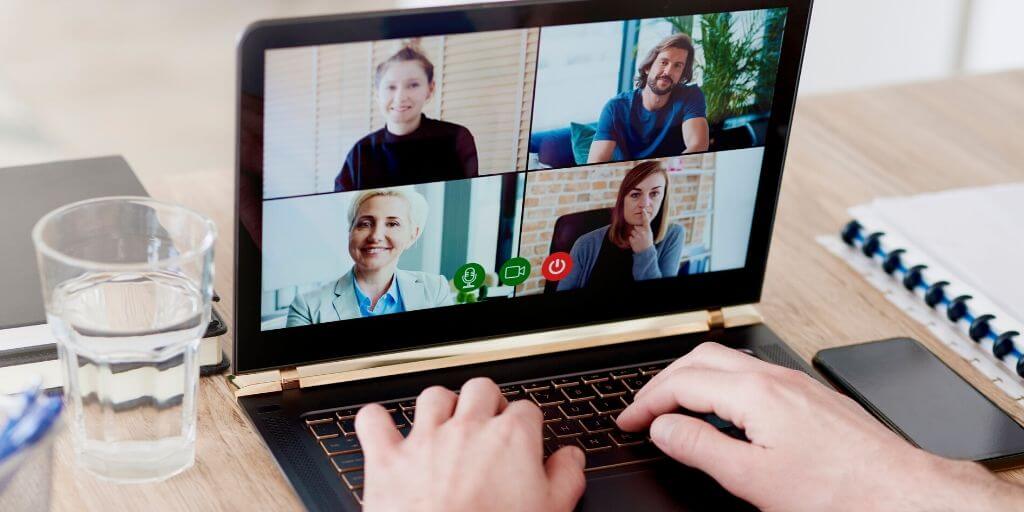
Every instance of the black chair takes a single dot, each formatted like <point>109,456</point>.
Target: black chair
<point>571,226</point>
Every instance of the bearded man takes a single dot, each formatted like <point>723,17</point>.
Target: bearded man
<point>664,116</point>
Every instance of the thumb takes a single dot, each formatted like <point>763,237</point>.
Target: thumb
<point>696,443</point>
<point>565,477</point>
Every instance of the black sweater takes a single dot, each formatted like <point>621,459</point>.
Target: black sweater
<point>436,151</point>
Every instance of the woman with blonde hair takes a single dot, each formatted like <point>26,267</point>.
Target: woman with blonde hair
<point>639,244</point>
<point>383,223</point>
<point>411,147</point>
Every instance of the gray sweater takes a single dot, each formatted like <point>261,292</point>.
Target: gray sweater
<point>659,260</point>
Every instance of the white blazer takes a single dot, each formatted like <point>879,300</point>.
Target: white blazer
<point>337,300</point>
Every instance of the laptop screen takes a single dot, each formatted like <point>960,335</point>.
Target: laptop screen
<point>446,171</point>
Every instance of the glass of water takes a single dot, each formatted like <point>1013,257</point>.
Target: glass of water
<point>127,283</point>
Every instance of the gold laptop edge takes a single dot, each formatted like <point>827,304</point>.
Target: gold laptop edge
<point>494,349</point>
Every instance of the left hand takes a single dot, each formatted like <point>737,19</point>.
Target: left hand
<point>470,452</point>
<point>641,237</point>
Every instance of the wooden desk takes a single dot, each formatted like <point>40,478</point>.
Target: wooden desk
<point>845,150</point>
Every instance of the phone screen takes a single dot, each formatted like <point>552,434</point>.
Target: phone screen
<point>914,392</point>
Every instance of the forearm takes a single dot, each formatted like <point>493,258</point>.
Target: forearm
<point>933,483</point>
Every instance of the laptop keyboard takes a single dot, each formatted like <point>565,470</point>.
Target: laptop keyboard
<point>579,409</point>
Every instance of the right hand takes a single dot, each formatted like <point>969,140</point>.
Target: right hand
<point>810,448</point>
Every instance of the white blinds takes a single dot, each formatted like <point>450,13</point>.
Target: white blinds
<point>320,101</point>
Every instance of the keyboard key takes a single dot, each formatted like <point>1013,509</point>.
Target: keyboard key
<point>595,442</point>
<point>325,430</point>
<point>635,383</point>
<point>319,419</point>
<point>407,404</point>
<point>405,430</point>
<point>549,397</point>
<point>509,391</point>
<point>399,418</point>
<point>339,445</point>
<point>565,382</point>
<point>348,462</point>
<point>622,374</point>
<point>349,412</point>
<point>392,406</point>
<point>576,410</point>
<point>608,405</point>
<point>348,427</point>
<point>598,424</point>
<point>627,438</point>
<point>565,428</point>
<point>358,493</point>
<point>594,377</point>
<point>536,386</point>
<point>651,369</point>
<point>353,479</point>
<point>622,456</point>
<point>554,444</point>
<point>610,388</point>
<point>410,415</point>
<point>577,393</point>
<point>551,413</point>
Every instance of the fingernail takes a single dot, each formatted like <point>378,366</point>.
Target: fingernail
<point>661,429</point>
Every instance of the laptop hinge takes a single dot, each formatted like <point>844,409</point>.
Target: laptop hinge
<point>494,349</point>
<point>716,319</point>
<point>289,378</point>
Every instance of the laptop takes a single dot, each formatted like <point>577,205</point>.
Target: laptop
<point>561,196</point>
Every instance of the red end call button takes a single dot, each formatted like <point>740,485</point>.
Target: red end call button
<point>556,266</point>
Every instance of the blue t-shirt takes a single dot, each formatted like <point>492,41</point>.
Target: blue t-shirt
<point>639,133</point>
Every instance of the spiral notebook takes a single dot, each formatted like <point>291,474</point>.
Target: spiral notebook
<point>954,261</point>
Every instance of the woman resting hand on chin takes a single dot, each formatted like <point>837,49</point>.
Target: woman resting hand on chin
<point>639,244</point>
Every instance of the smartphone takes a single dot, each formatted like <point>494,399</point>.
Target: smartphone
<point>915,394</point>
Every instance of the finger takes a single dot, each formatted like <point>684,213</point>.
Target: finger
<point>729,395</point>
<point>565,477</point>
<point>376,432</point>
<point>713,356</point>
<point>696,443</point>
<point>646,217</point>
<point>434,406</point>
<point>480,398</point>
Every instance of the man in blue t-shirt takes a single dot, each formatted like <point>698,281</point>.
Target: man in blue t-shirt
<point>663,116</point>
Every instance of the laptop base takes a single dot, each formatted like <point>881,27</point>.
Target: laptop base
<point>663,485</point>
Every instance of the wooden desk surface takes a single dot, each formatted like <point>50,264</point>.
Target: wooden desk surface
<point>846,149</point>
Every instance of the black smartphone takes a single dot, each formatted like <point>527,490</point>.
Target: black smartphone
<point>913,392</point>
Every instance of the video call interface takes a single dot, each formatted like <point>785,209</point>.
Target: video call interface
<point>420,173</point>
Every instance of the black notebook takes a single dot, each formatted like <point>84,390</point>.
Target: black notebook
<point>27,193</point>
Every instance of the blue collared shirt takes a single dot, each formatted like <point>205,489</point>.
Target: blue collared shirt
<point>391,302</point>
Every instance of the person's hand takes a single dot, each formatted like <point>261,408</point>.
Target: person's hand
<point>810,448</point>
<point>641,237</point>
<point>470,452</point>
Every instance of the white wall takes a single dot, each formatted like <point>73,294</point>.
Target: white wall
<point>736,176</point>
<point>863,43</point>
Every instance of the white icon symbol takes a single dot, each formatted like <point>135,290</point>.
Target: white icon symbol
<point>556,267</point>
<point>469,276</point>
<point>513,272</point>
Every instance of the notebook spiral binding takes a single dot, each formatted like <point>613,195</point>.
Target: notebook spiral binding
<point>912,278</point>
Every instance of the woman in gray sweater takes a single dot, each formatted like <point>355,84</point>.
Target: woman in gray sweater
<point>639,244</point>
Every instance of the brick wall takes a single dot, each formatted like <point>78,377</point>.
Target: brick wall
<point>551,194</point>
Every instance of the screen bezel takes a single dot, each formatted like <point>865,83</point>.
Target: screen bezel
<point>256,350</point>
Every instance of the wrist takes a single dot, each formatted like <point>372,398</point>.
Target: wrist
<point>940,484</point>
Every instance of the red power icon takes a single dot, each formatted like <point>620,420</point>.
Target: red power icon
<point>556,266</point>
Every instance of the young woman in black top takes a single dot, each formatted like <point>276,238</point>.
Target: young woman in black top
<point>411,148</point>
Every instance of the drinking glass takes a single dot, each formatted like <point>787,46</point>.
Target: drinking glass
<point>127,283</point>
